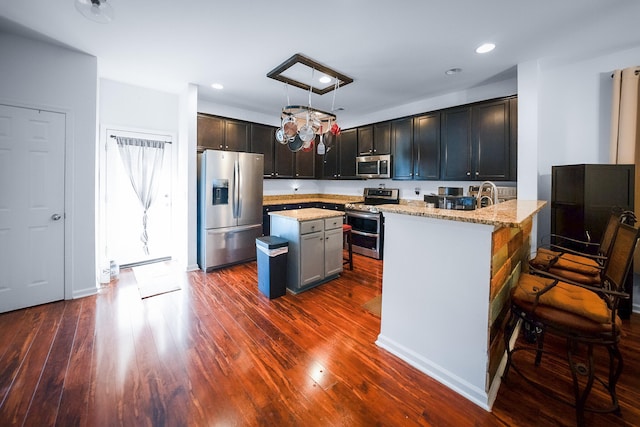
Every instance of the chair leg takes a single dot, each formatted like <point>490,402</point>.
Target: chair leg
<point>583,370</point>
<point>509,328</point>
<point>540,342</point>
<point>349,259</point>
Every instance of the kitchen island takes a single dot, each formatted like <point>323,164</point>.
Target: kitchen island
<point>315,245</point>
<point>445,289</point>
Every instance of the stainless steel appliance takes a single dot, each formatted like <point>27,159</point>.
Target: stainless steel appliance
<point>229,207</point>
<point>373,166</point>
<point>367,224</point>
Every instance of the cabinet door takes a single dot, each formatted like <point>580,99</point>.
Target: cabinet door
<point>490,140</point>
<point>382,138</point>
<point>330,157</point>
<point>456,144</point>
<point>333,251</point>
<point>365,140</point>
<point>283,161</point>
<point>347,147</point>
<point>513,139</point>
<point>210,133</point>
<point>263,141</point>
<point>402,144</point>
<point>305,163</point>
<point>311,258</point>
<point>426,146</point>
<point>236,135</point>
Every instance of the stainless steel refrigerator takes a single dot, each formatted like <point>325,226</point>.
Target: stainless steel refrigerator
<point>229,207</point>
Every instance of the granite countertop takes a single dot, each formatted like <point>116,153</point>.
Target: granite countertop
<point>511,213</point>
<point>306,198</point>
<point>308,214</point>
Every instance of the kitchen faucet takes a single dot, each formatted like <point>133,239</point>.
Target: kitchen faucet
<point>493,194</point>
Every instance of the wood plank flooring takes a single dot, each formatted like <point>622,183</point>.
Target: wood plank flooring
<point>219,353</point>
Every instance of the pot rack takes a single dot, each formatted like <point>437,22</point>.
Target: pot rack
<point>321,121</point>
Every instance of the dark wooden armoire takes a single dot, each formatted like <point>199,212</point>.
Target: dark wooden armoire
<point>582,198</point>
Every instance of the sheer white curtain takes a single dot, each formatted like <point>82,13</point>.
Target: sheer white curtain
<point>142,159</point>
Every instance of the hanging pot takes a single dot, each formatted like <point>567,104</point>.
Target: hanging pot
<point>295,144</point>
<point>289,127</point>
<point>309,147</point>
<point>307,144</point>
<point>306,133</point>
<point>280,136</point>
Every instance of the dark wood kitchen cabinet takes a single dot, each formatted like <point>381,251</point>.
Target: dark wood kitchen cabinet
<point>339,160</point>
<point>263,140</point>
<point>477,143</point>
<point>217,133</point>
<point>283,161</point>
<point>402,148</point>
<point>236,135</point>
<point>374,140</point>
<point>426,146</point>
<point>305,163</point>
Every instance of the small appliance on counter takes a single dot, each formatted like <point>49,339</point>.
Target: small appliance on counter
<point>464,203</point>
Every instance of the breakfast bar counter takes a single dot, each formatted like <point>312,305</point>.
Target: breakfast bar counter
<point>445,289</point>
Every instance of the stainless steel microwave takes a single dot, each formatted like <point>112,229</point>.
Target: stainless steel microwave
<point>373,166</point>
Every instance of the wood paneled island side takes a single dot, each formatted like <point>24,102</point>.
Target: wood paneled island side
<point>445,289</point>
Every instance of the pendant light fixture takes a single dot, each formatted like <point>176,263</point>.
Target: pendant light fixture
<point>95,10</point>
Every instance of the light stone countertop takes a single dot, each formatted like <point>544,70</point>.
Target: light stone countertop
<point>511,213</point>
<point>306,198</point>
<point>308,214</point>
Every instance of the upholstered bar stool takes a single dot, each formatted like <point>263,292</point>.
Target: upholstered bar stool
<point>346,234</point>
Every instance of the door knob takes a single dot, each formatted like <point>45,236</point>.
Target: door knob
<point>56,217</point>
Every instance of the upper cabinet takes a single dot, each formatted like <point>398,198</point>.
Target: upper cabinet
<point>479,142</point>
<point>426,146</point>
<point>263,141</point>
<point>217,133</point>
<point>374,139</point>
<point>402,148</point>
<point>339,160</point>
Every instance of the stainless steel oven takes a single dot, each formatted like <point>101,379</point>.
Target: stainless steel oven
<point>367,224</point>
<point>366,232</point>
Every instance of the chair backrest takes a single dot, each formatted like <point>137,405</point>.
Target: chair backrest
<point>608,235</point>
<point>620,257</point>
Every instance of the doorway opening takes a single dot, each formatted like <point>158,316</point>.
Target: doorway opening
<point>122,222</point>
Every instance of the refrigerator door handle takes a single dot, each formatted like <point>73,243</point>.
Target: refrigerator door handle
<point>236,189</point>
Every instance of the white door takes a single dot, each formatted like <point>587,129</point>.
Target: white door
<point>31,207</point>
<point>124,211</point>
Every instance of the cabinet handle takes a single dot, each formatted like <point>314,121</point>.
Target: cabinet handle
<point>477,173</point>
<point>468,173</point>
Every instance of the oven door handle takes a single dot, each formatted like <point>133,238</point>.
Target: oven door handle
<point>362,233</point>
<point>364,215</point>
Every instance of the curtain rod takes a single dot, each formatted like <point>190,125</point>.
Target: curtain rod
<point>166,142</point>
<point>636,72</point>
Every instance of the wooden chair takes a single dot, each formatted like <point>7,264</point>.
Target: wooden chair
<point>585,316</point>
<point>583,267</point>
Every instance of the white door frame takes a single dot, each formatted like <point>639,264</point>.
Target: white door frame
<point>69,173</point>
<point>106,130</point>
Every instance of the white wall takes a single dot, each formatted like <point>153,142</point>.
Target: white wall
<point>573,103</point>
<point>39,75</point>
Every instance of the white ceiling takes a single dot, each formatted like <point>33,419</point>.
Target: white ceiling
<point>396,51</point>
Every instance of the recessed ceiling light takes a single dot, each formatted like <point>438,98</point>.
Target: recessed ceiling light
<point>453,71</point>
<point>217,86</point>
<point>324,79</point>
<point>486,47</point>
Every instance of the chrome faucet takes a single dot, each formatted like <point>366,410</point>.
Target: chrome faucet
<point>493,194</point>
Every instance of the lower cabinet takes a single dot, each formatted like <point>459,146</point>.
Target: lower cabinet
<point>315,249</point>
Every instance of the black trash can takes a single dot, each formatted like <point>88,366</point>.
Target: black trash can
<point>271,253</point>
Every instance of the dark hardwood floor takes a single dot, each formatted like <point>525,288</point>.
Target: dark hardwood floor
<point>217,352</point>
